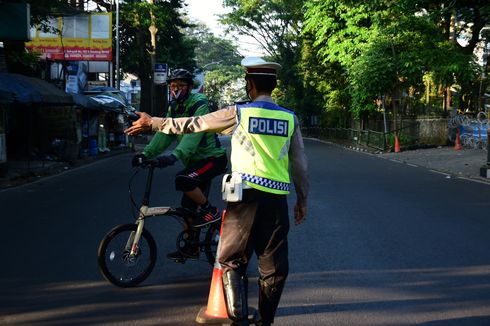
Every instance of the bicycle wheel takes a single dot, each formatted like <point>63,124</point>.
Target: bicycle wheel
<point>116,263</point>
<point>211,241</point>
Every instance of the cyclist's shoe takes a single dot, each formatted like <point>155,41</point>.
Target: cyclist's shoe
<point>179,256</point>
<point>206,216</point>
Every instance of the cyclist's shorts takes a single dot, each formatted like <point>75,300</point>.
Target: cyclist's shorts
<point>200,173</point>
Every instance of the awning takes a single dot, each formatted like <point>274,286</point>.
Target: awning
<point>28,90</point>
<point>99,102</point>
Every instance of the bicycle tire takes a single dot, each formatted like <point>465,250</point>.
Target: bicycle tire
<point>211,241</point>
<point>115,264</point>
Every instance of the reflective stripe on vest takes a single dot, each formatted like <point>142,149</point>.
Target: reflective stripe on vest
<point>260,144</point>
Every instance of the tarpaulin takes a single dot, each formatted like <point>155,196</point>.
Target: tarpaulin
<point>15,88</point>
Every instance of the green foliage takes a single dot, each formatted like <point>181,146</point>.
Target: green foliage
<point>385,48</point>
<point>172,46</point>
<point>276,26</point>
<point>210,49</point>
<point>224,85</point>
<point>219,60</point>
<point>403,139</point>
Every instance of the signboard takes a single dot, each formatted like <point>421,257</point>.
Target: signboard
<point>71,84</point>
<point>74,38</point>
<point>160,74</point>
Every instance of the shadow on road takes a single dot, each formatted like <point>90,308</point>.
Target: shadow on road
<point>96,303</point>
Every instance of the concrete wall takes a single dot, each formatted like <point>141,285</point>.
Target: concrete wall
<point>433,131</point>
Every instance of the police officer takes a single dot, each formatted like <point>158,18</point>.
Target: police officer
<point>266,140</point>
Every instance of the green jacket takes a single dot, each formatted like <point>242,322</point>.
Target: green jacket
<point>191,147</point>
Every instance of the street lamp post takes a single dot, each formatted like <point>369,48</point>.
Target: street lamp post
<point>118,80</point>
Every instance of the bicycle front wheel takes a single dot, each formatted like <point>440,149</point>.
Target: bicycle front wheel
<point>118,265</point>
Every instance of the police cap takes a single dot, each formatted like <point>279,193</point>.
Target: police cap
<point>258,66</point>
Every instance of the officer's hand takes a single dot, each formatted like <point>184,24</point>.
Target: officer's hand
<point>299,214</point>
<point>140,125</point>
<point>138,160</point>
<point>166,160</point>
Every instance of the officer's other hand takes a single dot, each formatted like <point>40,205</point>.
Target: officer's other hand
<point>138,160</point>
<point>166,160</point>
<point>140,125</point>
<point>299,214</point>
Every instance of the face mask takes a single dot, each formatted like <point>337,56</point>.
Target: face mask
<point>175,95</point>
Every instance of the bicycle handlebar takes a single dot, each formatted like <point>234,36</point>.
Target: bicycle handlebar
<point>154,163</point>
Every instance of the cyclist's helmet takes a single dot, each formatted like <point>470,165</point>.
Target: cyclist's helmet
<point>181,74</point>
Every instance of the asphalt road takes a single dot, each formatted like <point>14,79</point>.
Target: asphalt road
<point>384,244</point>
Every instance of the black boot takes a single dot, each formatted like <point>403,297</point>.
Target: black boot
<point>234,287</point>
<point>269,296</point>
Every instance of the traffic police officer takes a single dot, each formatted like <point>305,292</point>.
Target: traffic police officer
<point>266,140</point>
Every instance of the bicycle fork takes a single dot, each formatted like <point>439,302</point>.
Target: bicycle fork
<point>135,236</point>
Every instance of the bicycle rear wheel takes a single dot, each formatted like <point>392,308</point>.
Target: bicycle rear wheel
<point>116,263</point>
<point>211,241</point>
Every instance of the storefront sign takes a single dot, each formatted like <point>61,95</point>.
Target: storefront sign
<point>74,38</point>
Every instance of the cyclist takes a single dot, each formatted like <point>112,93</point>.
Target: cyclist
<point>201,153</point>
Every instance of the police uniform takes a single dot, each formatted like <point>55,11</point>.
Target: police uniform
<point>265,141</point>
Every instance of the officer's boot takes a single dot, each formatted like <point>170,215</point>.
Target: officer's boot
<point>234,287</point>
<point>269,296</point>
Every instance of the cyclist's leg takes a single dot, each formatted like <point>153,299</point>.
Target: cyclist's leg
<point>191,248</point>
<point>194,180</point>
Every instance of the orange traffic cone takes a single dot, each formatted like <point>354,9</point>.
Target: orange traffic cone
<point>457,142</point>
<point>397,144</point>
<point>215,311</point>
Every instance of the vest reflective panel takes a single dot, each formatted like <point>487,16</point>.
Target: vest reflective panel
<point>260,146</point>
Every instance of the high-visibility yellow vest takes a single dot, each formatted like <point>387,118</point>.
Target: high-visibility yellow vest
<point>260,146</point>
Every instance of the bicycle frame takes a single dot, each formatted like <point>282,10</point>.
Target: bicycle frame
<point>131,245</point>
<point>147,211</point>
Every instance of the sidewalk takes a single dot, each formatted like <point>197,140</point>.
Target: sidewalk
<point>464,163</point>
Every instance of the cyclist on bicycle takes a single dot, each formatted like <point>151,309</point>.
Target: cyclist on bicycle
<point>202,155</point>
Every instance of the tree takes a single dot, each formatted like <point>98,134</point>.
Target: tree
<point>276,26</point>
<point>224,85</point>
<point>210,49</point>
<point>385,48</point>
<point>172,46</point>
<point>219,60</point>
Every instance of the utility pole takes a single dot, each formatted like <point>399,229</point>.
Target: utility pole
<point>118,79</point>
<point>153,33</point>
